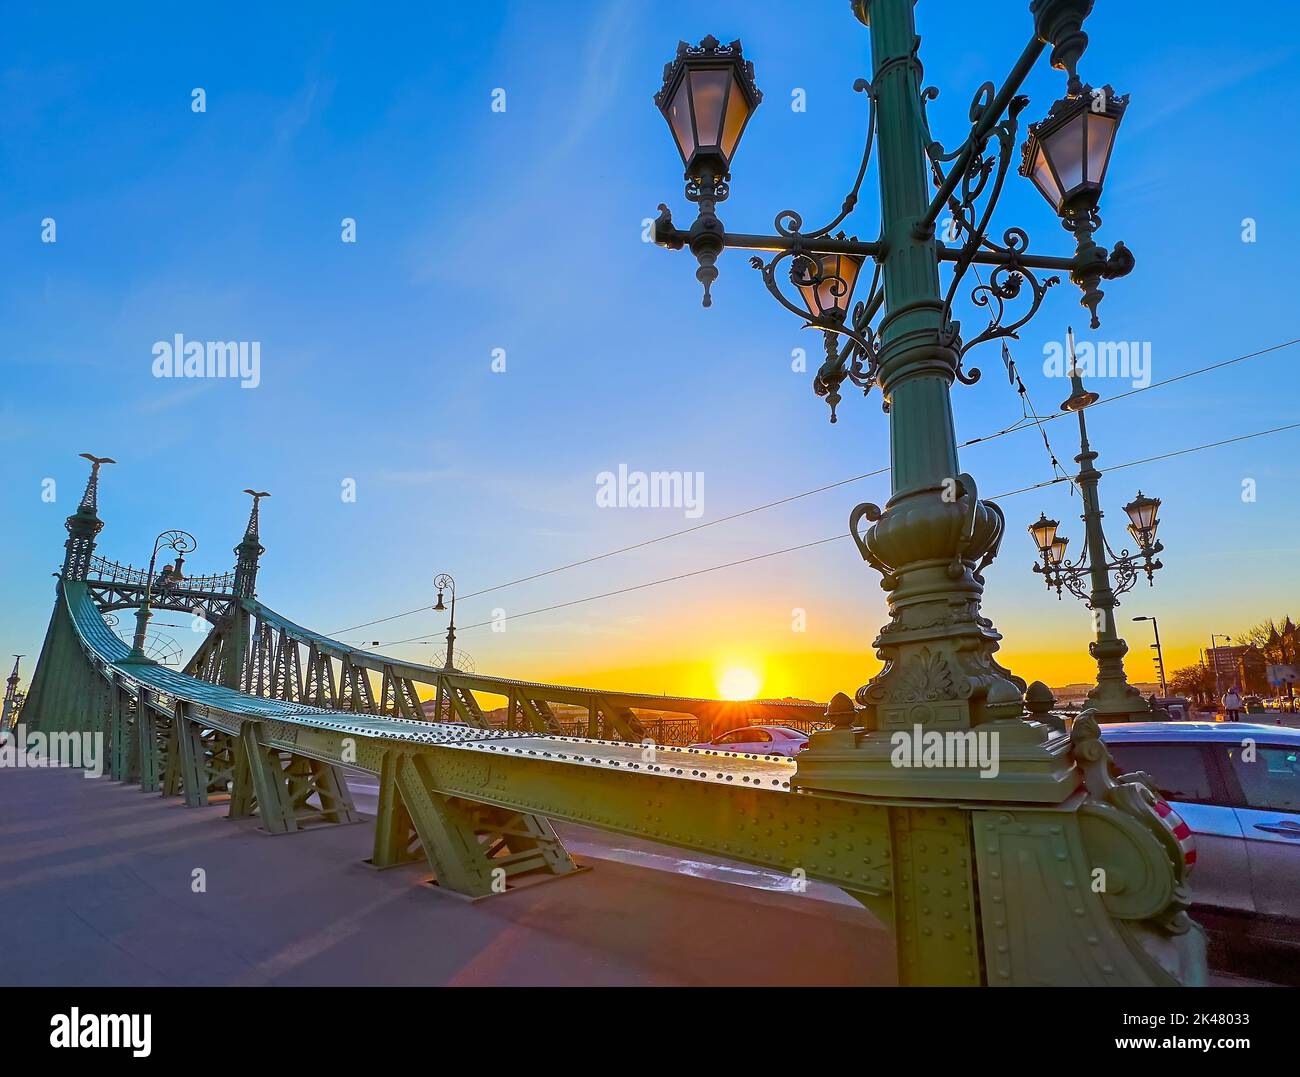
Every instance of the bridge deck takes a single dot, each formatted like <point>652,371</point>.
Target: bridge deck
<point>694,765</point>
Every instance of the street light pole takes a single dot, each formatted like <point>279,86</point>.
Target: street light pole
<point>1214,659</point>
<point>1112,697</point>
<point>180,541</point>
<point>444,583</point>
<point>935,536</point>
<point>1160,655</point>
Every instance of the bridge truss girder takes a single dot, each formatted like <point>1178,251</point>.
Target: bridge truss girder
<point>114,595</point>
<point>975,891</point>
<point>261,653</point>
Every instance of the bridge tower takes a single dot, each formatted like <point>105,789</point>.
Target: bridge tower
<point>48,694</point>
<point>247,554</point>
<point>248,551</point>
<point>84,524</point>
<point>7,715</point>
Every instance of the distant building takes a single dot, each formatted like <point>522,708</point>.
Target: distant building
<point>1245,666</point>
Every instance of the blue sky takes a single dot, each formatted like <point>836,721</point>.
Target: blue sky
<point>521,230</point>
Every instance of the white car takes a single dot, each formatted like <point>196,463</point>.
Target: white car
<point>757,740</point>
<point>1237,786</point>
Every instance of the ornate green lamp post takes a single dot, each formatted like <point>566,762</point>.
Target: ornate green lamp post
<point>180,541</point>
<point>444,582</point>
<point>1090,578</point>
<point>934,537</point>
<point>960,839</point>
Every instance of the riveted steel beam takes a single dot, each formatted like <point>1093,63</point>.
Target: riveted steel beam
<point>396,840</point>
<point>148,741</point>
<point>474,848</point>
<point>269,789</point>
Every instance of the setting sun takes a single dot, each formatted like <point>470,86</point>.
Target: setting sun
<point>738,683</point>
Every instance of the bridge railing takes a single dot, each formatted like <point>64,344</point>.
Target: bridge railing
<point>114,572</point>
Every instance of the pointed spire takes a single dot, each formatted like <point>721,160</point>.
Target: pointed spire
<point>10,706</point>
<point>251,530</point>
<point>90,499</point>
<point>84,524</point>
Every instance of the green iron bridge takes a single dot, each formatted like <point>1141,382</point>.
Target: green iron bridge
<point>984,881</point>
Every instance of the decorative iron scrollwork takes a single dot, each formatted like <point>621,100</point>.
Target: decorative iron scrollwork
<point>1075,576</point>
<point>789,222</point>
<point>988,156</point>
<point>858,359</point>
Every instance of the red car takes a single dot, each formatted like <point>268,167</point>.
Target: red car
<point>757,740</point>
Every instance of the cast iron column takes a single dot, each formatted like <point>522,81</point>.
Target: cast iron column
<point>935,534</point>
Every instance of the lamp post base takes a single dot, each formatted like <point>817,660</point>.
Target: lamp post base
<point>1039,868</point>
<point>1128,706</point>
<point>1007,760</point>
<point>137,655</point>
<point>1113,699</point>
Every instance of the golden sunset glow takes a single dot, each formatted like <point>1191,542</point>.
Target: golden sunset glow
<point>738,682</point>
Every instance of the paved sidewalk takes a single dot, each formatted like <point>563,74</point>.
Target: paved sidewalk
<point>96,880</point>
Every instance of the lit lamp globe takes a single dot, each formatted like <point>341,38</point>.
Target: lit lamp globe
<point>707,98</point>
<point>1043,531</point>
<point>1143,512</point>
<point>826,283</point>
<point>1067,152</point>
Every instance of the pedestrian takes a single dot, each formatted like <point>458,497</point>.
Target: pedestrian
<point>1232,704</point>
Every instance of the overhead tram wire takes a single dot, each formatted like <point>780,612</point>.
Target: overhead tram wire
<point>1027,407</point>
<point>634,587</point>
<point>1020,424</point>
<point>1028,412</point>
<point>843,534</point>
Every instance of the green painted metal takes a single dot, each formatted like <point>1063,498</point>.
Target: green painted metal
<point>260,765</point>
<point>243,796</point>
<point>969,886</point>
<point>396,839</point>
<point>292,663</point>
<point>159,753</point>
<point>473,848</point>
